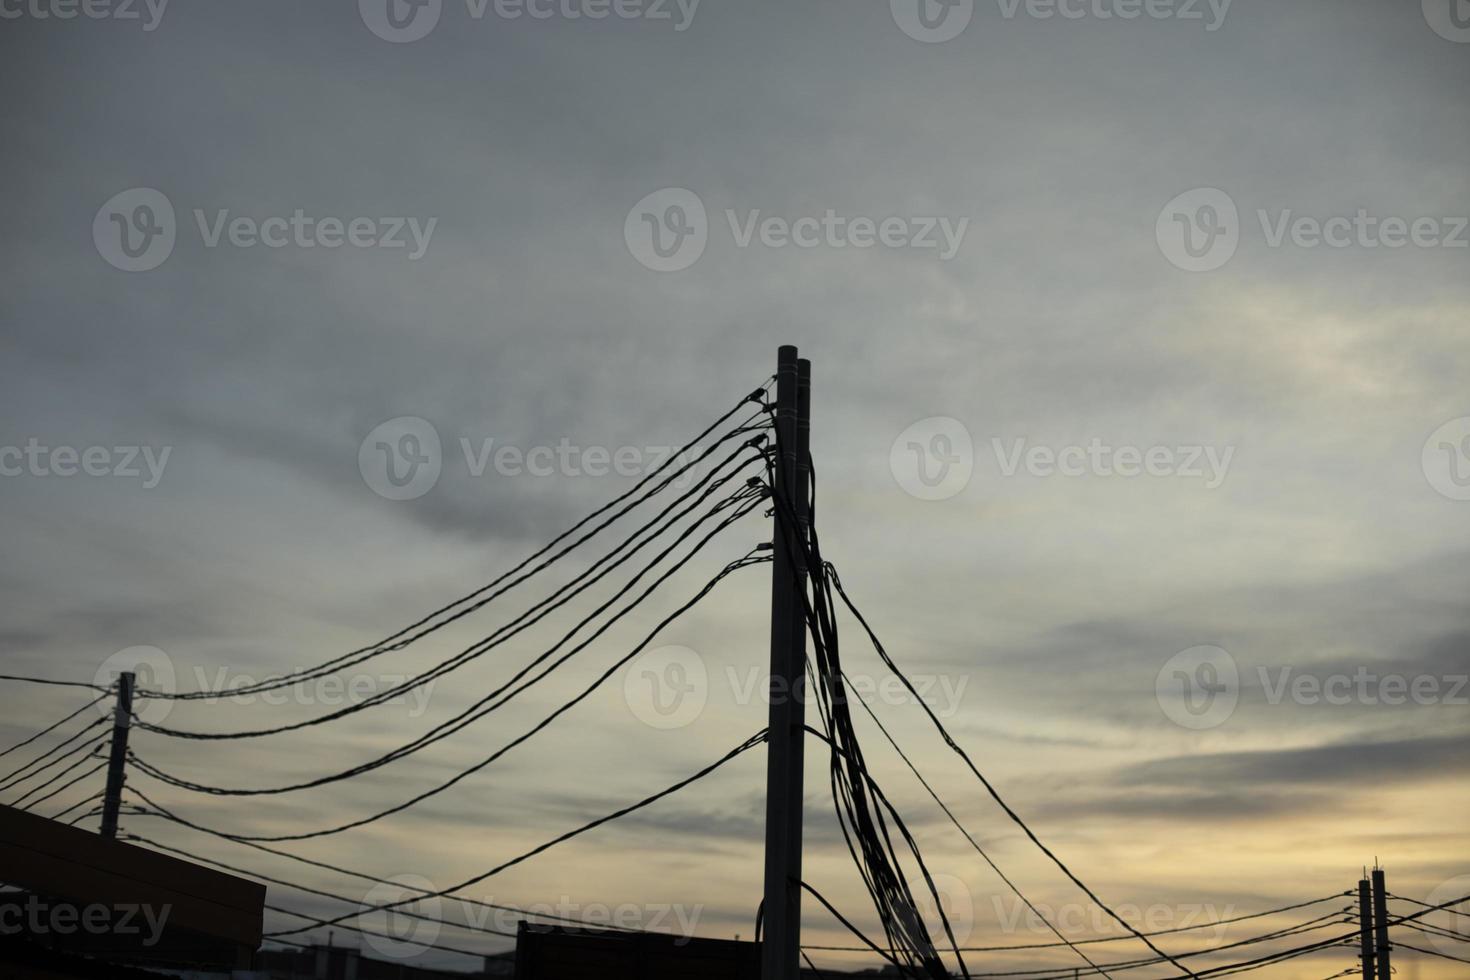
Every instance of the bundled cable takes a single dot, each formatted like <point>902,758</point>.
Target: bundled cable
<point>709,587</point>
<point>750,743</point>
<point>650,485</point>
<point>716,479</point>
<point>859,803</point>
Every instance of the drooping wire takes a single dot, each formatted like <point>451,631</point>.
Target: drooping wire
<point>55,725</point>
<point>709,587</point>
<point>743,747</point>
<point>154,809</point>
<point>989,787</point>
<point>700,492</point>
<point>1124,938</point>
<point>866,830</point>
<point>18,776</point>
<point>307,888</point>
<point>91,754</point>
<point>82,747</point>
<point>476,599</point>
<point>60,789</point>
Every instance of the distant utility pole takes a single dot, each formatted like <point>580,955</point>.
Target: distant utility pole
<point>122,721</point>
<point>1365,927</point>
<point>781,944</point>
<point>1380,924</point>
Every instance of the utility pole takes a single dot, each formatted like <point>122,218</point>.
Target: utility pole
<point>122,721</point>
<point>1365,926</point>
<point>781,945</point>
<point>1380,924</point>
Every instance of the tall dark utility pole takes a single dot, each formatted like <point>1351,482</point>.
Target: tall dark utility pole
<point>1380,924</point>
<point>781,944</point>
<point>1365,927</point>
<point>122,722</point>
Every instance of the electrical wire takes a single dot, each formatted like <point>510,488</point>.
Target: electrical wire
<point>1114,939</point>
<point>84,746</point>
<point>89,773</point>
<point>477,710</point>
<point>478,598</point>
<point>308,889</point>
<point>91,799</point>
<point>18,678</point>
<point>93,747</point>
<point>705,488</point>
<point>994,794</point>
<point>1430,952</point>
<point>50,728</point>
<point>338,869</point>
<point>14,777</point>
<point>750,743</point>
<point>709,587</point>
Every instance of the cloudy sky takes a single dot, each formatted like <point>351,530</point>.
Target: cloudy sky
<point>1139,415</point>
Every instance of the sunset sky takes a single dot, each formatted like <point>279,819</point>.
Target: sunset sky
<point>1305,511</point>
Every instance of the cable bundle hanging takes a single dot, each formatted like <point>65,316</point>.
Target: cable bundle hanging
<point>649,486</point>
<point>859,803</point>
